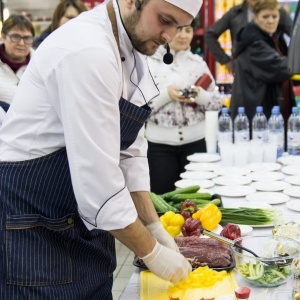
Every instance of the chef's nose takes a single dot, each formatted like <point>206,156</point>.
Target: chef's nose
<point>169,34</point>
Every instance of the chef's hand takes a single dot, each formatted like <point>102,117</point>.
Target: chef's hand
<point>162,236</point>
<point>167,264</point>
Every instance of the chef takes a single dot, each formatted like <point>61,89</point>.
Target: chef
<point>73,172</point>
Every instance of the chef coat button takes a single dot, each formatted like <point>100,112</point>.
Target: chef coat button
<point>180,132</point>
<point>181,139</point>
<point>123,58</point>
<point>70,221</point>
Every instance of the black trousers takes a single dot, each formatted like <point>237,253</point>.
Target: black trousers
<point>167,162</point>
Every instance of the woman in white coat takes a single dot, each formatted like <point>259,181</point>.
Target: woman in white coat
<point>176,126</point>
<point>15,52</point>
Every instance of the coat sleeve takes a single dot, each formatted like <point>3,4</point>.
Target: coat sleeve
<point>212,35</point>
<point>285,22</point>
<point>266,64</point>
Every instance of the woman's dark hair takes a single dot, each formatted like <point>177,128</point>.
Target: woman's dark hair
<point>60,10</point>
<point>17,21</point>
<point>265,4</point>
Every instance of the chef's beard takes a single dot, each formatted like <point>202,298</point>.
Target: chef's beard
<point>131,23</point>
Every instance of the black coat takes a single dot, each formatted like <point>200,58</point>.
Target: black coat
<point>259,71</point>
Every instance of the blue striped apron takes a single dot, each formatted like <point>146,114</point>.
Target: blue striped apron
<point>46,250</point>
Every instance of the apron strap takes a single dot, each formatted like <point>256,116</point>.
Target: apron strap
<point>113,20</point>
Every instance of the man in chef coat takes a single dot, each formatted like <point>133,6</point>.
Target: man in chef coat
<point>74,172</point>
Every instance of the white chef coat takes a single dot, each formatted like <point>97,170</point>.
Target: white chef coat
<point>69,96</point>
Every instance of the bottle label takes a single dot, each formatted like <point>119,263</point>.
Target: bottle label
<point>259,135</point>
<point>293,139</point>
<point>225,137</point>
<point>241,136</point>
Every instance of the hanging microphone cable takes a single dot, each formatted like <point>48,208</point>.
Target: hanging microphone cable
<point>168,57</point>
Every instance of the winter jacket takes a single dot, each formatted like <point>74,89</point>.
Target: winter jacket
<point>259,71</point>
<point>234,20</point>
<point>173,122</point>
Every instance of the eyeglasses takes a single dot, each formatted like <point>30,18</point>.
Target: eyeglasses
<point>28,39</point>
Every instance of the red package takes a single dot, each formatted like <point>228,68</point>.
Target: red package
<point>204,81</point>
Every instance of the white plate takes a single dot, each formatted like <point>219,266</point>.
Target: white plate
<point>270,186</point>
<point>268,197</point>
<point>295,180</point>
<point>232,180</point>
<point>247,204</point>
<point>188,182</point>
<point>196,175</point>
<point>204,157</point>
<point>291,170</point>
<point>201,167</point>
<point>289,160</point>
<point>266,167</point>
<point>293,205</point>
<point>234,190</point>
<point>263,176</point>
<point>245,229</point>
<point>293,191</point>
<point>229,171</point>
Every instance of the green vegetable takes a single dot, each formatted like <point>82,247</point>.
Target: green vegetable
<point>191,196</point>
<point>261,274</point>
<point>186,190</point>
<point>160,204</point>
<point>248,216</point>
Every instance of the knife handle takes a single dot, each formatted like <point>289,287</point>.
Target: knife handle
<point>218,237</point>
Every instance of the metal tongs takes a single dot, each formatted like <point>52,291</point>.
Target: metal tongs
<point>232,243</point>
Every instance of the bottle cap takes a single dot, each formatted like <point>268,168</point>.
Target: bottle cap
<point>295,110</point>
<point>241,110</point>
<point>277,107</point>
<point>275,111</point>
<point>259,109</point>
<point>242,292</point>
<point>224,110</point>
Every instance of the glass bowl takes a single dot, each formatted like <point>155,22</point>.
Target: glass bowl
<point>273,266</point>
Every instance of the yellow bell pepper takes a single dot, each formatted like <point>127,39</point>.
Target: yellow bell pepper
<point>172,222</point>
<point>209,216</point>
<point>200,278</point>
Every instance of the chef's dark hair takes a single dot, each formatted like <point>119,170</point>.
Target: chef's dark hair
<point>18,21</point>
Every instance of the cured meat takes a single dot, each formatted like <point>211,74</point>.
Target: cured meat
<point>204,251</point>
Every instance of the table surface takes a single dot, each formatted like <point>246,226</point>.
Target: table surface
<point>132,289</point>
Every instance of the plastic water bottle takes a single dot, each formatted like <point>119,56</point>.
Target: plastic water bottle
<point>293,135</point>
<point>241,126</point>
<point>259,125</point>
<point>277,107</point>
<point>225,127</point>
<point>276,131</point>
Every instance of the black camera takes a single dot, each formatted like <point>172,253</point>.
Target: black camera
<point>189,92</point>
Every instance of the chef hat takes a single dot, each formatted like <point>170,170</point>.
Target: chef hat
<point>190,6</point>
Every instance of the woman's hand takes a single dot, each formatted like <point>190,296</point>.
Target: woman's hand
<point>174,94</point>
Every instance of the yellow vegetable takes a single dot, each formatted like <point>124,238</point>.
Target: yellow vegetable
<point>200,277</point>
<point>209,216</point>
<point>172,222</point>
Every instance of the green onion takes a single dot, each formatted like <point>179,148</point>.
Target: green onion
<point>248,216</point>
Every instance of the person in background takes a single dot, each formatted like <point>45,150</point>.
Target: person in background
<point>64,11</point>
<point>234,20</point>
<point>176,127</point>
<point>260,63</point>
<point>15,53</point>
<point>74,173</point>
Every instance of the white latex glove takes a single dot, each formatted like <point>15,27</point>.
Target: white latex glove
<point>167,264</point>
<point>162,236</point>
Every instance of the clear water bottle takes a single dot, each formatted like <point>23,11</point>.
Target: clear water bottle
<point>225,127</point>
<point>277,107</point>
<point>241,126</point>
<point>259,125</point>
<point>293,135</point>
<point>276,131</point>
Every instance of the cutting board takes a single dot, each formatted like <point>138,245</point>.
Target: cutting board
<point>154,288</point>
